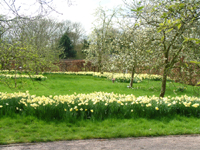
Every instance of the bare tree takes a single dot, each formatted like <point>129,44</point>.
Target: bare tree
<point>16,8</point>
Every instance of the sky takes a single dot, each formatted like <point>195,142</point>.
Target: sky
<point>80,11</point>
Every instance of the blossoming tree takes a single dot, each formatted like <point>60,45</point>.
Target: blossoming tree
<point>99,48</point>
<point>130,50</point>
<point>170,21</point>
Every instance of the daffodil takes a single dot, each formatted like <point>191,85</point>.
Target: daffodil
<point>195,105</point>
<point>148,105</point>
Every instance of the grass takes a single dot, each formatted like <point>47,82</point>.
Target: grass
<point>30,129</point>
<point>22,128</point>
<point>68,84</point>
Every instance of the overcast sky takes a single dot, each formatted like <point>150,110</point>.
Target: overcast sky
<point>82,10</point>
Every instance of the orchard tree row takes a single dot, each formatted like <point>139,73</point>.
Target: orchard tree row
<point>147,33</point>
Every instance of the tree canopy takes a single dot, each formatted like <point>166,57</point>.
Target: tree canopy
<point>170,22</point>
<point>67,46</point>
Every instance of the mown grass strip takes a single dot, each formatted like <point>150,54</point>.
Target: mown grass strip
<point>31,129</point>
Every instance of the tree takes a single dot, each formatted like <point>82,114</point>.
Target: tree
<point>28,43</point>
<point>85,44</point>
<point>131,51</point>
<point>75,32</point>
<point>27,46</point>
<point>15,8</point>
<point>99,48</point>
<point>41,35</point>
<point>170,22</point>
<point>66,44</point>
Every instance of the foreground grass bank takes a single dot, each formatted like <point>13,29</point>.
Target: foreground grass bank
<point>31,129</point>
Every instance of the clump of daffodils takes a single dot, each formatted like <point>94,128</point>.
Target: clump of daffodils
<point>37,77</point>
<point>120,77</point>
<point>97,105</point>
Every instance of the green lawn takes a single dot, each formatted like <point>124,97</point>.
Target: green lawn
<point>30,129</point>
<point>23,128</point>
<point>68,84</point>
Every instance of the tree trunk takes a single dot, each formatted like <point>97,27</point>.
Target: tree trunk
<point>99,64</point>
<point>15,78</point>
<point>36,69</point>
<point>164,80</point>
<point>132,77</point>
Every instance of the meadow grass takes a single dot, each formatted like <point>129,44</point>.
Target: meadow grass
<point>45,122</point>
